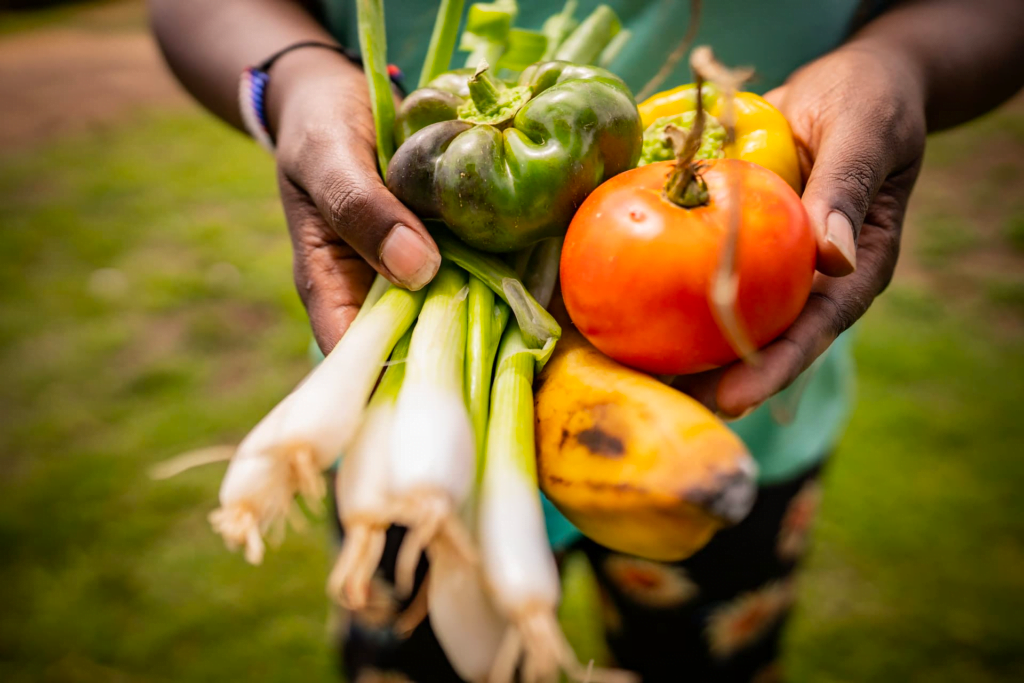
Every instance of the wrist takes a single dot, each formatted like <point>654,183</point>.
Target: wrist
<point>306,77</point>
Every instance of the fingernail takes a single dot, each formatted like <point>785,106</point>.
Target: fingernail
<point>732,418</point>
<point>840,235</point>
<point>409,258</point>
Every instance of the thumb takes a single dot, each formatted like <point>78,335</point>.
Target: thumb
<point>851,162</point>
<point>350,194</point>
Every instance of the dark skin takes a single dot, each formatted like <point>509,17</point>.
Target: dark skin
<point>860,115</point>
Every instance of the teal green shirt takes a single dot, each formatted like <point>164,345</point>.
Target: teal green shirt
<point>795,429</point>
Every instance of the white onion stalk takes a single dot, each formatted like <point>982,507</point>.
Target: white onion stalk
<point>363,490</point>
<point>287,452</point>
<point>517,561</point>
<point>432,452</point>
<point>462,616</point>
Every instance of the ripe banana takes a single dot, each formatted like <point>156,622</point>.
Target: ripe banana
<point>637,466</point>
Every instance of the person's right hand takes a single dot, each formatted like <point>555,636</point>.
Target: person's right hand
<point>344,223</point>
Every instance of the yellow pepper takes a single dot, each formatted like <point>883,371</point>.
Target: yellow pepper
<point>763,135</point>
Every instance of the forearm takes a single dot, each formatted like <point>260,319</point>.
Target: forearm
<point>208,43</point>
<point>968,54</point>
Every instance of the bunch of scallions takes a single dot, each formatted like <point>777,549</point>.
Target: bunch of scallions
<point>442,442</point>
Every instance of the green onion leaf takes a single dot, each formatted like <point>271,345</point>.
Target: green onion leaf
<point>585,44</point>
<point>524,48</point>
<point>374,48</point>
<point>539,328</point>
<point>394,373</point>
<point>557,28</point>
<point>442,40</point>
<point>487,319</point>
<point>486,34</point>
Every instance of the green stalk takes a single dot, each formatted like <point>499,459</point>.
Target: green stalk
<point>437,351</point>
<point>485,36</point>
<point>442,40</point>
<point>487,319</point>
<point>542,273</point>
<point>612,50</point>
<point>485,51</point>
<point>373,45</point>
<point>584,45</point>
<point>394,373</point>
<point>511,425</point>
<point>520,260</point>
<point>558,27</point>
<point>522,49</point>
<point>376,291</point>
<point>539,328</point>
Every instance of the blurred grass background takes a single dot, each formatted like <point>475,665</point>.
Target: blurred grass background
<point>147,308</point>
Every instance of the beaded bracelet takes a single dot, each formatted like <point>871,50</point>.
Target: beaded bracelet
<point>252,88</point>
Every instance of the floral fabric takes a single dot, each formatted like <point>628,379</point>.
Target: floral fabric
<point>715,617</point>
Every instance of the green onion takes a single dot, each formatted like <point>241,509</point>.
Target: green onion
<point>442,40</point>
<point>539,328</point>
<point>485,36</point>
<point>363,489</point>
<point>373,295</point>
<point>515,555</point>
<point>612,50</point>
<point>557,28</point>
<point>523,49</point>
<point>303,435</point>
<point>542,273</point>
<point>432,459</point>
<point>373,45</point>
<point>487,319</point>
<point>585,44</point>
<point>463,617</point>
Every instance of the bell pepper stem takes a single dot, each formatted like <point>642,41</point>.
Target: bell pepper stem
<point>484,90</point>
<point>685,187</point>
<point>442,40</point>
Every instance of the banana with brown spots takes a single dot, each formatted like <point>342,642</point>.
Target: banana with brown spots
<point>637,466</point>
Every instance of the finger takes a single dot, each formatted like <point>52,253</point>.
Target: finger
<point>340,174</point>
<point>331,278</point>
<point>775,96</point>
<point>702,386</point>
<point>854,155</point>
<point>834,305</point>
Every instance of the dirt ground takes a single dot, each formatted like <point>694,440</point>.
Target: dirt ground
<point>90,73</point>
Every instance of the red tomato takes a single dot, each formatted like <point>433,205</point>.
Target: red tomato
<point>637,269</point>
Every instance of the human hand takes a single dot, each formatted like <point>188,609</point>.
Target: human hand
<point>344,224</point>
<point>858,115</point>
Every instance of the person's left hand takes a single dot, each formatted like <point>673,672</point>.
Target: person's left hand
<point>858,116</point>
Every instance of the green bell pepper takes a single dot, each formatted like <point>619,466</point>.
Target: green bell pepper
<point>507,164</point>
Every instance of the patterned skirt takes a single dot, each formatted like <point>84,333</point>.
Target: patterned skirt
<point>715,617</point>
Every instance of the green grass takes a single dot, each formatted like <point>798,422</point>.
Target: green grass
<point>146,308</point>
<point>195,335</point>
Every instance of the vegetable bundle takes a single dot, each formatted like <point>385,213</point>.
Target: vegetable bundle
<point>498,156</point>
<point>444,445</point>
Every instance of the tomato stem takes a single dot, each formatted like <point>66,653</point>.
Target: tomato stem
<point>726,281</point>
